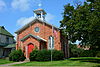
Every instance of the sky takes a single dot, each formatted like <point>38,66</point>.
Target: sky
<point>16,13</point>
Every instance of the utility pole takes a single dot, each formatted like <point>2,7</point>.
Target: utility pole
<point>51,43</point>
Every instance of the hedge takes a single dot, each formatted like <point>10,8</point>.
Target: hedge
<point>88,53</point>
<point>45,55</point>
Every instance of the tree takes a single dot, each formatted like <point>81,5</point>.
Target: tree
<point>83,23</point>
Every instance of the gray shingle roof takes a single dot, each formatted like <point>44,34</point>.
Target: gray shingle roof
<point>4,31</point>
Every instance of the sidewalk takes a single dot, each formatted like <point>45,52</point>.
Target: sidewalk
<point>10,64</point>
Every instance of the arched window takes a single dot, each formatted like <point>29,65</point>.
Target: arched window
<point>51,42</point>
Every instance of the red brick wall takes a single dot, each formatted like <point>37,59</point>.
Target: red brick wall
<point>45,32</point>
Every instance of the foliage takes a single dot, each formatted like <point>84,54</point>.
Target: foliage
<point>16,55</point>
<point>74,51</point>
<point>88,53</point>
<point>79,52</point>
<point>33,55</point>
<point>57,55</point>
<point>83,23</point>
<point>98,54</point>
<point>45,55</point>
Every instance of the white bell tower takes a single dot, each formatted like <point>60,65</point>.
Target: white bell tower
<point>39,14</point>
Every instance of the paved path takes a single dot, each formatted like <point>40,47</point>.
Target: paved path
<point>6,65</point>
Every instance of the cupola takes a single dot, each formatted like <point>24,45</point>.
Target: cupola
<point>39,14</point>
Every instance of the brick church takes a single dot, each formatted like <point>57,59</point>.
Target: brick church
<point>38,34</point>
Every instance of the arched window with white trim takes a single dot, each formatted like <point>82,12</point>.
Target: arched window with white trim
<point>51,42</point>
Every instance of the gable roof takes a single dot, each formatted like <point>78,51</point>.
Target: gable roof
<point>33,21</point>
<point>30,35</point>
<point>4,31</point>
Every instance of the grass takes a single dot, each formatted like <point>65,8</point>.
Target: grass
<point>4,61</point>
<point>82,62</point>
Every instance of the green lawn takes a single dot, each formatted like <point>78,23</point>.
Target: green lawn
<point>82,62</point>
<point>3,61</point>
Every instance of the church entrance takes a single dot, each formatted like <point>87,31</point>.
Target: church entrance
<point>30,48</point>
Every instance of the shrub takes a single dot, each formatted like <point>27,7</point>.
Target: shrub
<point>45,55</point>
<point>98,54</point>
<point>16,55</point>
<point>33,55</point>
<point>74,51</point>
<point>88,53</point>
<point>57,55</point>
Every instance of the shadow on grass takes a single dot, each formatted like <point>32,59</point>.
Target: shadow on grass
<point>97,66</point>
<point>93,60</point>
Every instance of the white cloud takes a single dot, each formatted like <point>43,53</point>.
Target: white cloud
<point>35,3</point>
<point>49,17</point>
<point>24,20</point>
<point>2,5</point>
<point>15,36</point>
<point>24,5</point>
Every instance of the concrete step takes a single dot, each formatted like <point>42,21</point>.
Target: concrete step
<point>27,60</point>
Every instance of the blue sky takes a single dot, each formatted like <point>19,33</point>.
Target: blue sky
<point>16,13</point>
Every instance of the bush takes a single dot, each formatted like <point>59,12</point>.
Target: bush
<point>57,55</point>
<point>98,54</point>
<point>74,51</point>
<point>88,53</point>
<point>45,55</point>
<point>33,55</point>
<point>16,55</point>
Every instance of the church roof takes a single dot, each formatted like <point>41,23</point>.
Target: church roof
<point>4,31</point>
<point>34,20</point>
<point>30,35</point>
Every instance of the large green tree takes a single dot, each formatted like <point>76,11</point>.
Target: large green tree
<point>82,23</point>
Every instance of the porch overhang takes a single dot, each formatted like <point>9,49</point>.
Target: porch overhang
<point>10,46</point>
<point>36,37</point>
<point>3,44</point>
